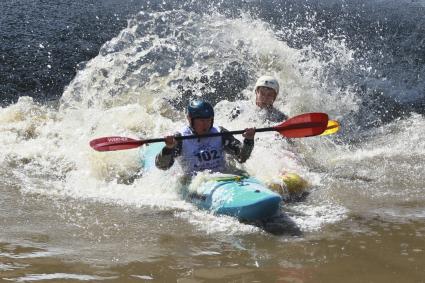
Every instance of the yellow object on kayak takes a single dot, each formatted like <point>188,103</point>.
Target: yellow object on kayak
<point>289,184</point>
<point>294,183</point>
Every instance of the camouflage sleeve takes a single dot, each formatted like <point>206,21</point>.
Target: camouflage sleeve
<point>241,151</point>
<point>165,158</point>
<point>276,116</point>
<point>284,117</point>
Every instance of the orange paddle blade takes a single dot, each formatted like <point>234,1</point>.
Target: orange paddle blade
<point>304,125</point>
<point>115,143</point>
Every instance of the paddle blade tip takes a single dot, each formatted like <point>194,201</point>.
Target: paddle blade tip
<point>304,125</point>
<point>114,143</point>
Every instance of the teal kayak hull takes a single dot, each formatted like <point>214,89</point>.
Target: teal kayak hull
<point>241,197</point>
<point>245,198</point>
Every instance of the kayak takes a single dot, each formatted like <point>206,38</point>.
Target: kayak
<point>242,197</point>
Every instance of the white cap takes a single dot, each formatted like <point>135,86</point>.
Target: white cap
<point>267,81</point>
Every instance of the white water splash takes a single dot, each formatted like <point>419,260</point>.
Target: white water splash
<point>125,91</point>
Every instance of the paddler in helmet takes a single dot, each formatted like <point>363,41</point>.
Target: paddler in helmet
<point>195,155</point>
<point>290,185</point>
<point>266,91</point>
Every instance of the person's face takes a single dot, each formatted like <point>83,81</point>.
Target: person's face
<point>202,125</point>
<point>265,96</point>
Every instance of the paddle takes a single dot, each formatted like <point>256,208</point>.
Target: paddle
<point>304,125</point>
<point>332,128</point>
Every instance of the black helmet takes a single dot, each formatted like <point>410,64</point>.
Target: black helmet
<point>200,109</point>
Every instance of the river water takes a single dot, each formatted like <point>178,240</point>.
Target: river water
<point>72,72</point>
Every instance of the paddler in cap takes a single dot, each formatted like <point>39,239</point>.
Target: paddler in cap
<point>195,155</point>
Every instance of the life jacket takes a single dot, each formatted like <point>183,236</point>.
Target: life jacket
<point>202,154</point>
